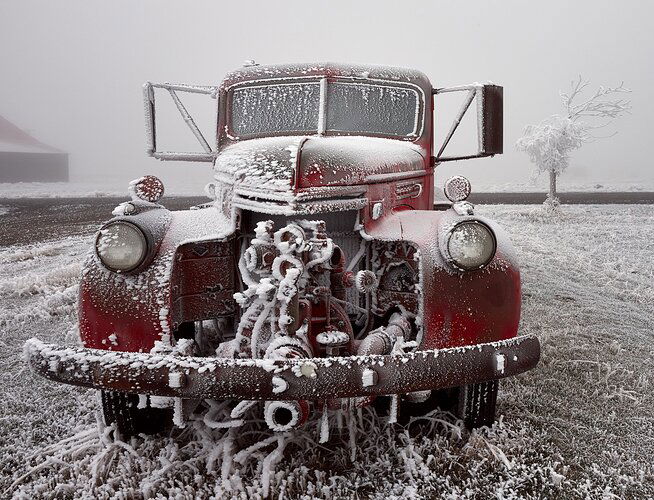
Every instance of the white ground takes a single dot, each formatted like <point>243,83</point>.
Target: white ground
<point>581,425</point>
<point>564,185</point>
<point>58,190</point>
<point>568,182</point>
<point>114,188</point>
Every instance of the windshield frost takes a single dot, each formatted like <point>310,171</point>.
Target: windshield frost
<point>276,108</point>
<point>349,107</point>
<point>371,108</point>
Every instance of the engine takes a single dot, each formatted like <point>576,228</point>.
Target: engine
<point>302,298</point>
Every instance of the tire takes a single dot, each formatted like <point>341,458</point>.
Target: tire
<point>476,404</point>
<point>441,399</point>
<point>120,408</point>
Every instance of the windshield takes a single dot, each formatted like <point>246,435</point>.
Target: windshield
<point>338,107</point>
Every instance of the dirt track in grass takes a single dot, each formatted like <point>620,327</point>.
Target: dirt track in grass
<point>580,425</point>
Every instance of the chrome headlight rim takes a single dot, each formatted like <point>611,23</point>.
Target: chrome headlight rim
<point>145,238</point>
<point>457,265</point>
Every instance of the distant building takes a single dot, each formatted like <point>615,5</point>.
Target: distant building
<point>24,159</point>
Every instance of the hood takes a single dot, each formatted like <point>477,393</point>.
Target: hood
<point>285,164</point>
<point>266,164</point>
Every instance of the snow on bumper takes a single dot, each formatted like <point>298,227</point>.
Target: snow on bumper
<point>317,378</point>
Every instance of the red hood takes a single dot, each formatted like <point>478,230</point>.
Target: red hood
<point>283,164</point>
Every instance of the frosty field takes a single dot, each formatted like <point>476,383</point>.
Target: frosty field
<point>581,425</point>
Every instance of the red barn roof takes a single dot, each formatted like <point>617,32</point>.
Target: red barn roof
<point>13,139</point>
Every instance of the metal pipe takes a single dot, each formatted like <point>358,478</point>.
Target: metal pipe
<point>150,130</point>
<point>194,89</point>
<point>170,156</point>
<point>285,415</point>
<point>381,342</point>
<point>471,95</point>
<point>337,268</point>
<point>190,122</point>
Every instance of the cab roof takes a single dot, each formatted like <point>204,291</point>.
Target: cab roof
<point>329,69</point>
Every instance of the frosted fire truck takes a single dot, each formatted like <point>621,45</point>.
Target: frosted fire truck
<point>321,276</point>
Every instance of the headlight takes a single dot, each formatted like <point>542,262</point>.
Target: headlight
<point>121,246</point>
<point>471,245</point>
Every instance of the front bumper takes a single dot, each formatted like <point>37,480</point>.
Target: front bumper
<point>292,379</point>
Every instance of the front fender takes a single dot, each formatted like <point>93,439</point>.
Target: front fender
<point>457,308</point>
<point>129,312</point>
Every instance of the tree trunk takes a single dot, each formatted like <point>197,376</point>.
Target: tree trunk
<point>552,194</point>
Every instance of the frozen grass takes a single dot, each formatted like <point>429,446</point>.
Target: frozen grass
<point>564,185</point>
<point>59,190</point>
<point>580,425</point>
<point>191,187</point>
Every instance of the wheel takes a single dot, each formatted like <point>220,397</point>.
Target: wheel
<point>476,404</point>
<point>444,399</point>
<point>120,408</point>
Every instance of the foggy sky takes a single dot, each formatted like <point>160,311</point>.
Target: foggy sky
<point>71,71</point>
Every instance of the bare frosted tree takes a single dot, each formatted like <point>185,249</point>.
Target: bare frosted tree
<point>550,143</point>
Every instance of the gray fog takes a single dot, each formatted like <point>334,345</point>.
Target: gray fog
<point>71,72</point>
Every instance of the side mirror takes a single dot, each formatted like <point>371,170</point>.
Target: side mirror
<point>490,119</point>
<point>207,154</point>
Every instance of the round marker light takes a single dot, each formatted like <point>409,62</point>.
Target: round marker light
<point>121,246</point>
<point>457,188</point>
<point>471,245</point>
<point>147,188</point>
